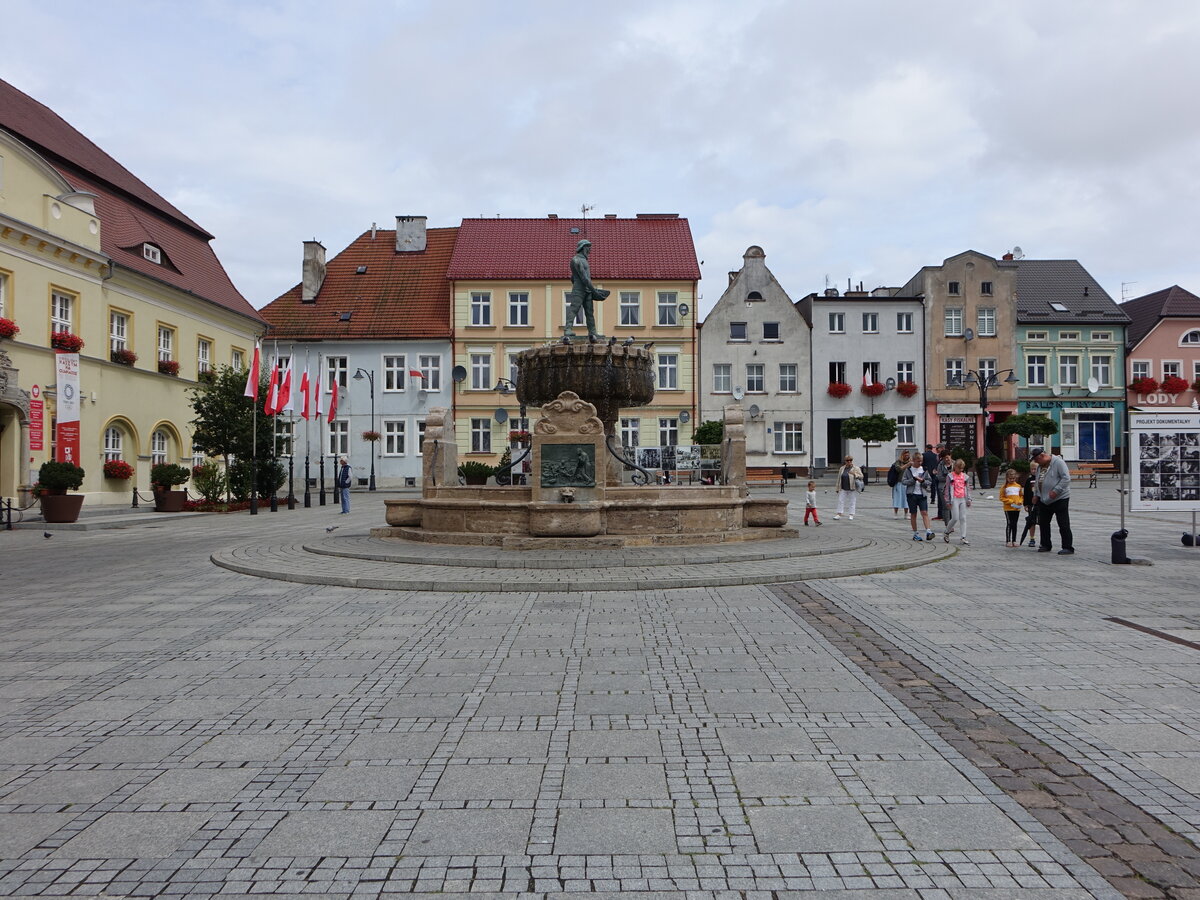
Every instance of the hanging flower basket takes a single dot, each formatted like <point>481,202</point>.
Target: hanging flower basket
<point>1173,384</point>
<point>874,389</point>
<point>168,367</point>
<point>123,357</point>
<point>8,328</point>
<point>119,469</point>
<point>65,341</point>
<point>907,389</point>
<point>370,436</point>
<point>839,389</point>
<point>1144,385</point>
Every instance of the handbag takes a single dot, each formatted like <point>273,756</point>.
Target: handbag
<point>859,484</point>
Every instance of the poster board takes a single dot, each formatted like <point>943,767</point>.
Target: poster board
<point>1164,469</point>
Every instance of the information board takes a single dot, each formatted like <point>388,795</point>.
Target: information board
<point>1165,460</point>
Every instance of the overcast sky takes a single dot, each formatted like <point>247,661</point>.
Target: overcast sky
<point>851,139</point>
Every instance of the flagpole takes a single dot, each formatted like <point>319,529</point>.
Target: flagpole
<point>254,443</point>
<point>307,391</point>
<point>274,502</point>
<point>320,389</point>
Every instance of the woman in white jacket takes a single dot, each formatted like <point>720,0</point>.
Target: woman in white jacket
<point>848,477</point>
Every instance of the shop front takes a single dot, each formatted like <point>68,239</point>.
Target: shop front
<point>1088,430</point>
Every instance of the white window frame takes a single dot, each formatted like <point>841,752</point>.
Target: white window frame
<point>337,368</point>
<point>284,436</point>
<point>905,370</point>
<point>518,309</point>
<point>431,372</point>
<point>159,445</point>
<point>756,378</point>
<point>4,294</point>
<point>985,321</point>
<point>237,360</point>
<point>837,323</point>
<point>904,323</point>
<point>668,308</point>
<point>1068,369</point>
<point>62,310</point>
<point>1068,336</point>
<point>1183,340</point>
<point>906,430</point>
<point>871,369</point>
<point>722,378</point>
<point>114,443</point>
<point>166,343</point>
<point>118,330</point>
<point>837,372</point>
<point>668,370</point>
<point>870,323</point>
<point>1037,336</point>
<point>1140,368</point>
<point>481,370</point>
<point>668,432</point>
<point>1103,337</point>
<point>580,318</point>
<point>395,437</point>
<point>512,353</point>
<point>789,437</point>
<point>952,321</point>
<point>395,373</point>
<point>1036,369</point>
<point>337,438</point>
<point>988,367</point>
<point>631,433</point>
<point>203,355</point>
<point>1172,367</point>
<point>481,309</point>
<point>956,368</point>
<point>1102,368</point>
<point>481,435</point>
<point>789,378</point>
<point>630,312</point>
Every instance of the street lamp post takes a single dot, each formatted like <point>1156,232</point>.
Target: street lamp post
<point>358,376</point>
<point>983,382</point>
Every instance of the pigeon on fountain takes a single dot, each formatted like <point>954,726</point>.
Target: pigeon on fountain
<point>612,340</point>
<point>628,341</point>
<point>648,346</point>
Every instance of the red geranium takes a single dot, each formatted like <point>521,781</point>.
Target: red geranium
<point>168,367</point>
<point>907,389</point>
<point>8,328</point>
<point>1144,385</point>
<point>1173,384</point>
<point>874,389</point>
<point>118,468</point>
<point>123,357</point>
<point>65,341</point>
<point>839,389</point>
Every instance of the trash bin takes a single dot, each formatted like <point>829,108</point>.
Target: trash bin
<point>1119,557</point>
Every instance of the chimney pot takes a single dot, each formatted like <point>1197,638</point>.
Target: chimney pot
<point>410,234</point>
<point>1007,256</point>
<point>312,272</point>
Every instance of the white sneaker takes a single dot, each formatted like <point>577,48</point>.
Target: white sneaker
<point>837,515</point>
<point>851,518</point>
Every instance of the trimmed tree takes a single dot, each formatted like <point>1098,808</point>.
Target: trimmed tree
<point>1027,425</point>
<point>709,432</point>
<point>224,425</point>
<point>876,428</point>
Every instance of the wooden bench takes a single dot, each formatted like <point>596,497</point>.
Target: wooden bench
<point>1092,470</point>
<point>763,475</point>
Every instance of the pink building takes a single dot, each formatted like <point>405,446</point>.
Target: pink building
<point>1163,348</point>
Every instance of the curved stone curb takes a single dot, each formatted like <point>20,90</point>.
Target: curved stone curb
<point>293,563</point>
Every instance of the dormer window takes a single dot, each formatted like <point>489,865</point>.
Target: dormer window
<point>152,253</point>
<point>752,296</point>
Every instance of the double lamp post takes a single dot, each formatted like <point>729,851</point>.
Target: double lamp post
<point>358,376</point>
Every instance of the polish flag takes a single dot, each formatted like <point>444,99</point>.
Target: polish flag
<point>305,393</point>
<point>286,402</point>
<point>333,397</point>
<point>416,374</point>
<point>252,377</point>
<point>316,389</point>
<point>270,407</point>
<point>867,378</point>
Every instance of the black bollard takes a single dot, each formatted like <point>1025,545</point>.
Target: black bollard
<point>1119,557</point>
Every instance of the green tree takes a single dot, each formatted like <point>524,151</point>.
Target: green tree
<point>224,425</point>
<point>709,432</point>
<point>875,428</point>
<point>1027,425</point>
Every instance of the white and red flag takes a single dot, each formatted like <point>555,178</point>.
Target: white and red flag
<point>867,382</point>
<point>416,373</point>
<point>305,393</point>
<point>270,407</point>
<point>286,402</point>
<point>252,377</point>
<point>333,398</point>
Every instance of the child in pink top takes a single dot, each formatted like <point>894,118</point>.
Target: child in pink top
<point>956,496</point>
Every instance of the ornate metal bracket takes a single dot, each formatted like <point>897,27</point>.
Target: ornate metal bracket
<point>641,476</point>
<point>503,470</point>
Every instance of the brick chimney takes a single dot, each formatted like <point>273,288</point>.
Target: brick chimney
<point>312,274</point>
<point>410,233</point>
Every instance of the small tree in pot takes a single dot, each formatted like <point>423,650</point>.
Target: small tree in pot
<point>164,477</point>
<point>54,480</point>
<point>873,429</point>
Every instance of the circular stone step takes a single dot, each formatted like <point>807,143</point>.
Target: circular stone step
<point>624,570</point>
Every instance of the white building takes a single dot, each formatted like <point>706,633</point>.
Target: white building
<point>754,348</point>
<point>860,337</point>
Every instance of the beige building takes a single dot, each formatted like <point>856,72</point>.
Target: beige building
<point>86,248</point>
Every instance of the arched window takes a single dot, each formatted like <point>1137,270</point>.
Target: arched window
<point>158,447</point>
<point>753,295</point>
<point>113,443</point>
<point>1192,337</point>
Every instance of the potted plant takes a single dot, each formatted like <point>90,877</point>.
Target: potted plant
<point>1173,384</point>
<point>907,389</point>
<point>1144,385</point>
<point>65,341</point>
<point>476,472</point>
<point>117,469</point>
<point>168,367</point>
<point>8,328</point>
<point>123,357</point>
<point>519,438</point>
<point>839,389</point>
<point>54,480</point>
<point>370,436</point>
<point>164,477</point>
<point>989,468</point>
<point>874,389</point>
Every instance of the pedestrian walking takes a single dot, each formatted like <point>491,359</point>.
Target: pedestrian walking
<point>1054,492</point>
<point>916,488</point>
<point>810,503</point>
<point>1030,505</point>
<point>956,497</point>
<point>929,462</point>
<point>849,480</point>
<point>895,473</point>
<point>1012,497</point>
<point>343,484</point>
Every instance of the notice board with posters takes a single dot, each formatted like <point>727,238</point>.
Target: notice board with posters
<point>1164,459</point>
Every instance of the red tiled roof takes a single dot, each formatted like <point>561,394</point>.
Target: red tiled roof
<point>1172,302</point>
<point>401,295</point>
<point>130,213</point>
<point>645,247</point>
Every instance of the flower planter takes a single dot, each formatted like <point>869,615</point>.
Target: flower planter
<point>169,501</point>
<point>61,507</point>
<point>476,479</point>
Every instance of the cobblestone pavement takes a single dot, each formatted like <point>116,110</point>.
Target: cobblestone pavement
<point>171,727</point>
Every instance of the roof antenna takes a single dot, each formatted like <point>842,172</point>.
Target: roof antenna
<point>1125,290</point>
<point>585,209</point>
<point>374,228</point>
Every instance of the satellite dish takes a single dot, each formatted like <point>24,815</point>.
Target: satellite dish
<point>500,415</point>
<point>890,384</point>
<point>1056,390</point>
<point>685,416</point>
<point>684,309</point>
<point>459,374</point>
<point>969,334</point>
<point>1018,253</point>
<point>755,412</point>
<point>1093,384</point>
<point>739,393</point>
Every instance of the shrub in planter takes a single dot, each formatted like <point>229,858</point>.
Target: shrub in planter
<point>165,476</point>
<point>1144,385</point>
<point>168,367</point>
<point>839,389</point>
<point>60,477</point>
<point>8,328</point>
<point>1173,384</point>
<point>65,341</point>
<point>123,357</point>
<point>118,469</point>
<point>209,479</point>
<point>476,472</point>
<point>907,389</point>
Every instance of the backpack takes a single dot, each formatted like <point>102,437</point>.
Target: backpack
<point>893,477</point>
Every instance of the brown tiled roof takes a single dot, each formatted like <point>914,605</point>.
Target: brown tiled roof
<point>1172,302</point>
<point>130,213</point>
<point>401,295</point>
<point>649,246</point>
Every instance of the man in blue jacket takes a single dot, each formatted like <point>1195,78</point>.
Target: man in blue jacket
<point>1054,491</point>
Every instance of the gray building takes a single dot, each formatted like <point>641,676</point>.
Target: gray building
<point>754,349</point>
<point>859,338</point>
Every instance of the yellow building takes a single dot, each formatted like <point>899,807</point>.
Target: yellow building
<point>88,249</point>
<point>509,281</point>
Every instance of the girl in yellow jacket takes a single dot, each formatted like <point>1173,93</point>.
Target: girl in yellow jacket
<point>1012,496</point>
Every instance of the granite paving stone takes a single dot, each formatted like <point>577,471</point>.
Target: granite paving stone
<point>125,835</point>
<point>473,832</point>
<point>326,833</point>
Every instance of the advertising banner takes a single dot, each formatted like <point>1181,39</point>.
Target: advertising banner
<point>67,424</point>
<point>37,419</point>
<point>1165,460</point>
